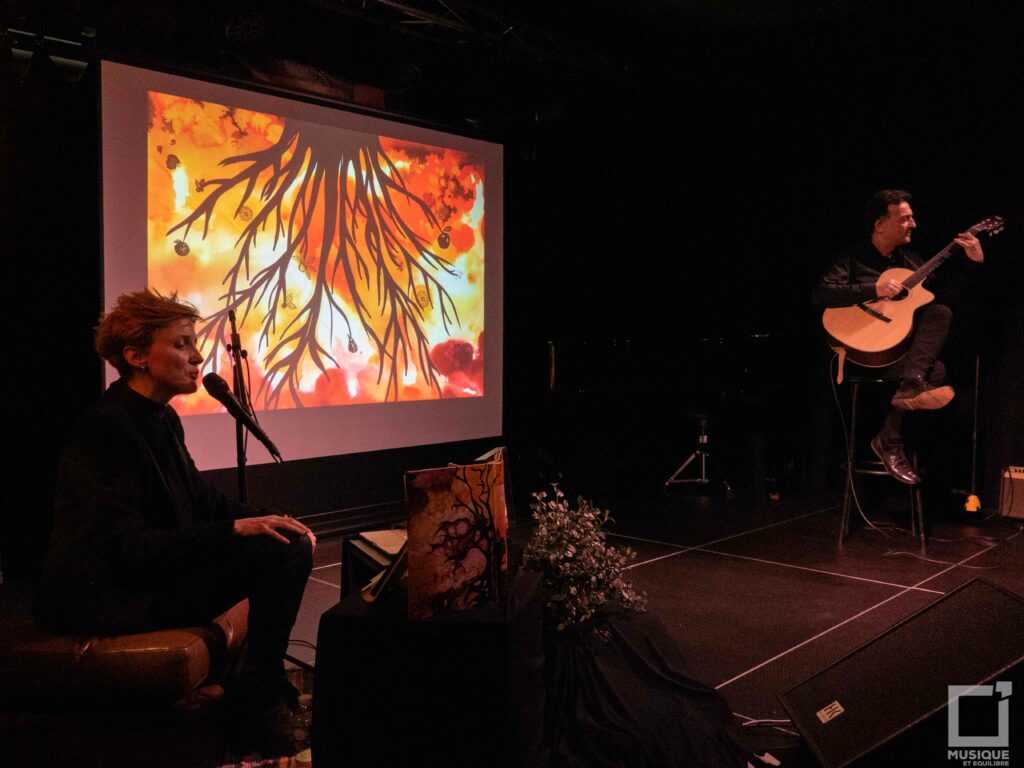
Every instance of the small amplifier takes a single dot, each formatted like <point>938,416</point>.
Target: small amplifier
<point>1011,493</point>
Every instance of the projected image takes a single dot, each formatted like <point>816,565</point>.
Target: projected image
<point>353,264</point>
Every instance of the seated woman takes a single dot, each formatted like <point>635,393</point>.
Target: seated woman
<point>141,541</point>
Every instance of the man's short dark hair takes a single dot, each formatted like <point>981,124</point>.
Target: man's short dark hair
<point>878,205</point>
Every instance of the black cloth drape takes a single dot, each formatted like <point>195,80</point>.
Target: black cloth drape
<point>620,695</point>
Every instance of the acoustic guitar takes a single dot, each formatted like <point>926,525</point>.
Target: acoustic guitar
<point>876,333</point>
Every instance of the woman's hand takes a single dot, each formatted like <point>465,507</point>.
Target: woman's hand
<point>269,525</point>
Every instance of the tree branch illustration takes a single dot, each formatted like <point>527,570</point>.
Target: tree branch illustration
<point>470,527</point>
<point>347,182</point>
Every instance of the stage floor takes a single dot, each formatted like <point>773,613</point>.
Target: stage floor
<point>759,595</point>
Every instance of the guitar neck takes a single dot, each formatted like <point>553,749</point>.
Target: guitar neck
<point>925,270</point>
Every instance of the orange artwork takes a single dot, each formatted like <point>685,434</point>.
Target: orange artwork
<point>457,537</point>
<point>352,263</point>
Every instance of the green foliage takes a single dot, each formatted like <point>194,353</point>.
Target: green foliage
<point>582,572</point>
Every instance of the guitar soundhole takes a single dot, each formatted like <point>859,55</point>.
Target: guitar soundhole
<point>901,295</point>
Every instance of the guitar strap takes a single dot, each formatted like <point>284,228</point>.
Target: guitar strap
<point>841,352</point>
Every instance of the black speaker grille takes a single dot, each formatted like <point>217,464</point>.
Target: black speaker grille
<point>970,636</point>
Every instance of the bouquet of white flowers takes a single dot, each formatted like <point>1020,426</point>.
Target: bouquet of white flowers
<point>582,573</point>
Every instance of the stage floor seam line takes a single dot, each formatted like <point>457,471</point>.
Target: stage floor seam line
<point>818,570</point>
<point>846,621</point>
<point>684,548</point>
<point>327,583</point>
<point>329,565</point>
<point>659,558</point>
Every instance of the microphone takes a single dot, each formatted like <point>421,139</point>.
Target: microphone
<point>219,391</point>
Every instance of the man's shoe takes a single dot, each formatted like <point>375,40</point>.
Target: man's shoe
<point>916,394</point>
<point>895,461</point>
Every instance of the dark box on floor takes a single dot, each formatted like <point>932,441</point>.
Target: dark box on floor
<point>463,689</point>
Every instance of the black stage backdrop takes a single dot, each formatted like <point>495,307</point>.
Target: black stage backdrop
<point>675,179</point>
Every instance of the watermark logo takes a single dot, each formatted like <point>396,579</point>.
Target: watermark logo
<point>988,749</point>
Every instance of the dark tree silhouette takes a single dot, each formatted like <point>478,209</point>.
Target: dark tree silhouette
<point>468,527</point>
<point>348,180</point>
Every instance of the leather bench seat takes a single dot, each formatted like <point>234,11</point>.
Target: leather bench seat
<point>44,670</point>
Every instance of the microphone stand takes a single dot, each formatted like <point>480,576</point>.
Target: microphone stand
<point>238,383</point>
<point>973,503</point>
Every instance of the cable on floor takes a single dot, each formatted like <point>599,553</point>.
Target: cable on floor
<point>896,553</point>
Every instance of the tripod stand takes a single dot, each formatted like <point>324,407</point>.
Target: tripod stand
<point>702,455</point>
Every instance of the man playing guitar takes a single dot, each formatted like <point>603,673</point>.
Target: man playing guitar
<point>856,277</point>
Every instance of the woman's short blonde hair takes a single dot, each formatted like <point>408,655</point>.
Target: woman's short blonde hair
<point>133,321</point>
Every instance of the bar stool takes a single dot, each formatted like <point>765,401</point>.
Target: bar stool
<point>852,466</point>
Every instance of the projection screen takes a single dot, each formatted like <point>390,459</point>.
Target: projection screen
<point>361,260</point>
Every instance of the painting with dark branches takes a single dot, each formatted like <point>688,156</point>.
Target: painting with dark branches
<point>457,537</point>
<point>353,263</point>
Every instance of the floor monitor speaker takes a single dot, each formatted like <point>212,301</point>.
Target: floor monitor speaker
<point>1011,493</point>
<point>888,702</point>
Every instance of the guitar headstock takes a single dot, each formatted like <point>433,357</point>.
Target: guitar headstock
<point>993,225</point>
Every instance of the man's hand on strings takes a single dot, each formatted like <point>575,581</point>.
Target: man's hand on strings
<point>971,246</point>
<point>887,288</point>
